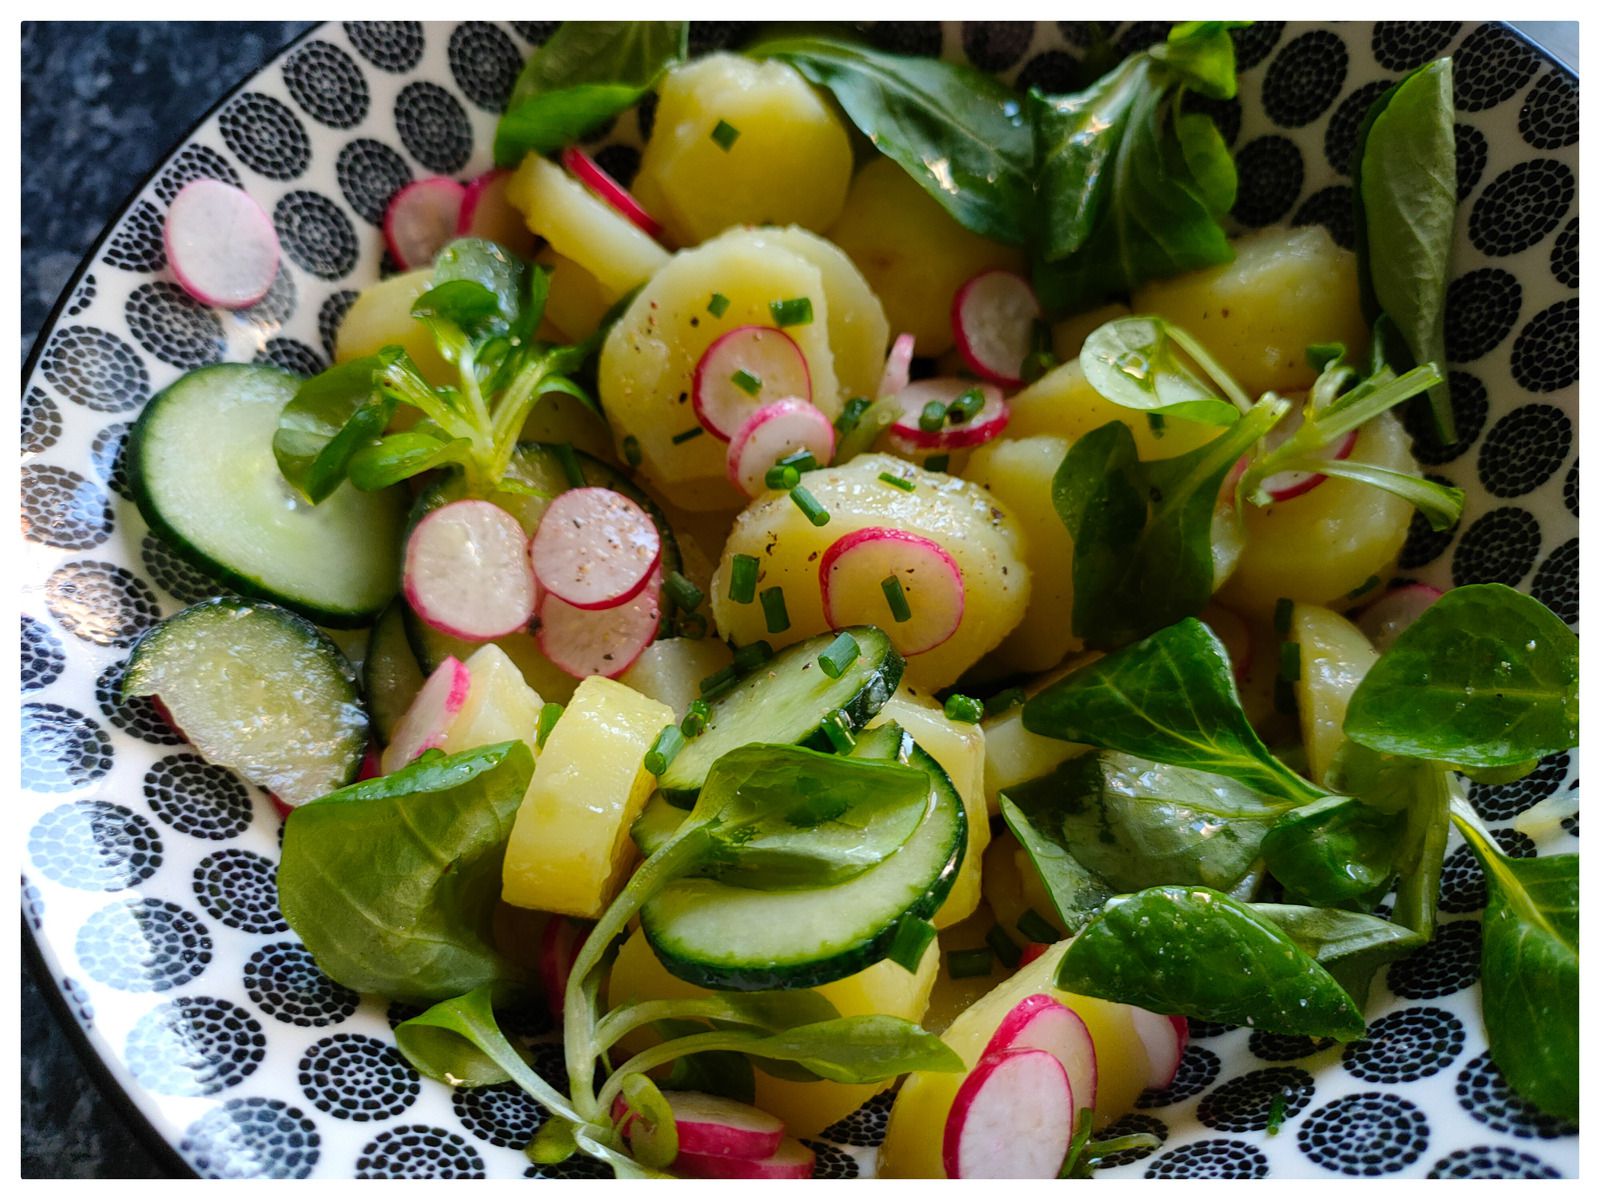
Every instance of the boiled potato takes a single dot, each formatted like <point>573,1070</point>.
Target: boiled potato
<point>1286,289</point>
<point>912,252</point>
<point>381,316</point>
<point>500,705</point>
<point>1068,334</point>
<point>559,417</point>
<point>1325,543</point>
<point>789,162</point>
<point>1012,886</point>
<point>1062,403</point>
<point>670,670</point>
<point>1334,658</point>
<point>577,301</point>
<point>951,997</point>
<point>978,532</point>
<point>582,227</point>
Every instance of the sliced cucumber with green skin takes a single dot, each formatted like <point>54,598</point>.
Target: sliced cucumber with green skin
<point>259,689</point>
<point>788,700</point>
<point>656,823</point>
<point>390,675</point>
<point>203,474</point>
<point>719,936</point>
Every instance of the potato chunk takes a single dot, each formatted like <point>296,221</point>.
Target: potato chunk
<point>1335,657</point>
<point>1062,403</point>
<point>381,316</point>
<point>582,227</point>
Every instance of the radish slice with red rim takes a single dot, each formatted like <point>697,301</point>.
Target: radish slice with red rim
<point>486,213</point>
<point>595,177</point>
<point>953,433</point>
<point>792,1160</point>
<point>427,721</point>
<point>1041,1022</point>
<point>467,572</point>
<point>855,572</point>
<point>421,218</point>
<point>1164,1039</point>
<point>1012,1118</point>
<point>220,244</point>
<point>744,369</point>
<point>1286,485</point>
<point>992,316</point>
<point>584,642</point>
<point>897,369</point>
<point>1391,615</point>
<point>775,431</point>
<point>595,548</point>
<point>559,945</point>
<point>715,1125</point>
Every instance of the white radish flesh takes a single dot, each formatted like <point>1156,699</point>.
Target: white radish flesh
<point>985,425</point>
<point>854,571</point>
<point>584,642</point>
<point>220,244</point>
<point>595,177</point>
<point>717,1126</point>
<point>1389,616</point>
<point>897,369</point>
<point>742,370</point>
<point>421,218</point>
<point>1286,485</point>
<point>595,548</point>
<point>1164,1039</point>
<point>486,213</point>
<point>776,431</point>
<point>559,945</point>
<point>467,572</point>
<point>427,721</point>
<point>792,1160</point>
<point>1041,1022</point>
<point>993,316</point>
<point>1011,1119</point>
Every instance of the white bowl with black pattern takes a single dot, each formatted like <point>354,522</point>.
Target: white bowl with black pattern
<point>148,874</point>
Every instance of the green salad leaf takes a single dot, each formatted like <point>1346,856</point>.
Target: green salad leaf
<point>1350,946</point>
<point>1142,363</point>
<point>1333,852</point>
<point>331,417</point>
<point>1075,891</point>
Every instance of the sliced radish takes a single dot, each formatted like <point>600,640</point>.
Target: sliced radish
<point>559,945</point>
<point>467,572</point>
<point>281,807</point>
<point>595,548</point>
<point>744,369</point>
<point>1286,485</point>
<point>1391,615</point>
<point>1032,951</point>
<point>427,721</point>
<point>1234,635</point>
<point>421,218</point>
<point>792,1160</point>
<point>371,763</point>
<point>220,244</point>
<point>989,422</point>
<point>897,370</point>
<point>595,177</point>
<point>853,572</point>
<point>1164,1039</point>
<point>774,431</point>
<point>715,1125</point>
<point>992,316</point>
<point>1041,1022</point>
<point>1012,1118</point>
<point>584,642</point>
<point>486,213</point>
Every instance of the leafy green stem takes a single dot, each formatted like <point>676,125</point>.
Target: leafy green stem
<point>1208,363</point>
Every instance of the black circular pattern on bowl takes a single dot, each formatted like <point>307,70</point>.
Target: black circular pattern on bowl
<point>864,1127</point>
<point>484,62</point>
<point>418,1152</point>
<point>178,577</point>
<point>358,1078</point>
<point>1404,1046</point>
<point>1285,1047</point>
<point>78,998</point>
<point>1462,888</point>
<point>1405,45</point>
<point>1555,583</point>
<point>1569,489</point>
<point>270,312</point>
<point>535,32</point>
<point>83,297</point>
<point>1212,1158</point>
<point>316,234</point>
<point>1227,114</point>
<point>1247,1102</point>
<point>197,798</point>
<point>1549,116</point>
<point>1564,255</point>
<point>832,1162</point>
<point>907,37</point>
<point>1491,1162</point>
<point>1369,1133</point>
<point>1054,71</point>
<point>326,82</point>
<point>1470,400</point>
<point>266,135</point>
<point>995,45</point>
<point>1271,174</point>
<point>195,1046</point>
<point>240,889</point>
<point>1499,547</point>
<point>331,315</point>
<point>1339,141</point>
<point>41,656</point>
<point>1447,964</point>
<point>1545,355</point>
<point>1197,1070</point>
<point>1520,206</point>
<point>173,326</point>
<point>32,904</point>
<point>109,454</point>
<point>285,983</point>
<point>1331,209</point>
<point>1491,66</point>
<point>193,162</point>
<point>1523,449</point>
<point>370,172</point>
<point>501,1114</point>
<point>1199,1028</point>
<point>393,46</point>
<point>144,946</point>
<point>434,127</point>
<point>41,422</point>
<point>95,845</point>
<point>254,1138</point>
<point>1501,802</point>
<point>579,1166</point>
<point>1481,308</point>
<point>1254,42</point>
<point>1483,1092</point>
<point>619,161</point>
<point>1423,543</point>
<point>94,368</point>
<point>63,509</point>
<point>1304,78</point>
<point>1472,156</point>
<point>100,602</point>
<point>138,244</point>
<point>62,750</point>
<point>291,355</point>
<point>1141,35</point>
<point>1123,1126</point>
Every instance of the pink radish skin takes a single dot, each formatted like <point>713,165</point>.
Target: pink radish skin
<point>371,763</point>
<point>852,572</point>
<point>773,432</point>
<point>771,355</point>
<point>792,1160</point>
<point>1011,1119</point>
<point>715,1126</point>
<point>595,177</point>
<point>1391,615</point>
<point>595,548</point>
<point>421,218</point>
<point>989,424</point>
<point>559,945</point>
<point>584,642</point>
<point>992,316</point>
<point>467,572</point>
<point>220,244</point>
<point>1041,1022</point>
<point>486,213</point>
<point>427,721</point>
<point>1032,951</point>
<point>1164,1039</point>
<point>897,370</point>
<point>1286,485</point>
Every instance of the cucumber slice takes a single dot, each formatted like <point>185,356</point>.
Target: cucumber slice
<point>656,823</point>
<point>256,688</point>
<point>717,935</point>
<point>203,475</point>
<point>390,675</point>
<point>787,701</point>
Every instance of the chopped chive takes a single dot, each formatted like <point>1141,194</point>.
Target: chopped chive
<point>774,609</point>
<point>969,964</point>
<point>683,593</point>
<point>1283,700</point>
<point>631,453</point>
<point>841,652</point>
<point>911,938</point>
<point>966,709</point>
<point>724,135</point>
<point>568,458</point>
<point>748,658</point>
<point>937,462</point>
<point>1007,951</point>
<point>1276,1112</point>
<point>719,304</point>
<point>1036,929</point>
<point>898,481</point>
<point>932,418</point>
<point>1072,1166</point>
<point>1289,661</point>
<point>850,416</point>
<point>742,578</point>
<point>967,405</point>
<point>899,606</point>
<point>1000,701</point>
<point>1158,424</point>
<point>692,625</point>
<point>838,728</point>
<point>694,721</point>
<point>688,435</point>
<point>781,477</point>
<point>1037,365</point>
<point>1282,614</point>
<point>796,311</point>
<point>718,682</point>
<point>809,504</point>
<point>664,749</point>
<point>1357,593</point>
<point>548,716</point>
<point>800,460</point>
<point>747,383</point>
